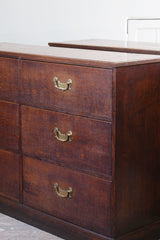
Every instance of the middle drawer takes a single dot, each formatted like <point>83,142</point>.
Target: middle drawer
<point>76,142</point>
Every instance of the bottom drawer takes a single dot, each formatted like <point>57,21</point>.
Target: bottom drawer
<point>9,174</point>
<point>78,198</point>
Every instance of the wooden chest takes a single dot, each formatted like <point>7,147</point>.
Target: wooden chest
<point>79,141</point>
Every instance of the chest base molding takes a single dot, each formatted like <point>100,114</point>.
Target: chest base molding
<point>62,228</point>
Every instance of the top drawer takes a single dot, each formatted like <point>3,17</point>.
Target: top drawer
<point>9,79</point>
<point>89,94</point>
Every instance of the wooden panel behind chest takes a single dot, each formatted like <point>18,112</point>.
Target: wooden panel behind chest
<point>89,205</point>
<point>90,94</point>
<point>9,79</point>
<point>9,174</point>
<point>89,150</point>
<point>9,126</point>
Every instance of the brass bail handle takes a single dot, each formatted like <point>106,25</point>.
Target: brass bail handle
<point>62,137</point>
<point>61,192</point>
<point>62,86</point>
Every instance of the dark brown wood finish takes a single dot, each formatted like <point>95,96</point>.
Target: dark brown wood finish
<point>93,136</point>
<point>113,160</point>
<point>20,134</point>
<point>68,230</point>
<point>110,45</point>
<point>89,206</point>
<point>81,57</point>
<point>9,126</point>
<point>9,174</point>
<point>9,79</point>
<point>84,98</point>
<point>137,147</point>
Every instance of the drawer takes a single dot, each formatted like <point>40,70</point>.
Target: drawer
<point>9,79</point>
<point>9,174</point>
<point>9,126</point>
<point>90,94</point>
<point>69,195</point>
<point>89,150</point>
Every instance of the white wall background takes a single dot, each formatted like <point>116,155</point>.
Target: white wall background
<point>41,21</point>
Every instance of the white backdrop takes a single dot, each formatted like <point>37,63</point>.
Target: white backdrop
<point>40,21</point>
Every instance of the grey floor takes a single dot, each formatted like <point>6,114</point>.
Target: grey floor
<point>11,229</point>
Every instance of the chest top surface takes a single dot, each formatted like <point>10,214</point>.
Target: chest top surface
<point>104,59</point>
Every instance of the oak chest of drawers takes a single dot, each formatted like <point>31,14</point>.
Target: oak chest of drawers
<point>79,141</point>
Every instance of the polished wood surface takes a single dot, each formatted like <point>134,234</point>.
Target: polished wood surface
<point>38,140</point>
<point>9,175</point>
<point>9,126</point>
<point>138,140</point>
<point>83,99</point>
<point>113,160</point>
<point>81,57</point>
<point>67,230</point>
<point>90,198</point>
<point>9,79</point>
<point>111,45</point>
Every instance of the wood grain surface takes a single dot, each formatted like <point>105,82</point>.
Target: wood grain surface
<point>9,79</point>
<point>113,160</point>
<point>68,230</point>
<point>89,206</point>
<point>111,45</point>
<point>83,57</point>
<point>9,174</point>
<point>137,152</point>
<point>84,98</point>
<point>89,151</point>
<point>9,126</point>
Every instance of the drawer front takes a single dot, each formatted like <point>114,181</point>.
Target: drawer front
<point>9,79</point>
<point>89,150</point>
<point>9,126</point>
<point>75,197</point>
<point>9,174</point>
<point>90,93</point>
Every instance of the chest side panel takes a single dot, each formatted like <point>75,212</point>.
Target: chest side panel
<point>137,146</point>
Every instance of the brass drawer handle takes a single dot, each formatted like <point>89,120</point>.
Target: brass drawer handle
<point>62,86</point>
<point>63,137</point>
<point>63,193</point>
